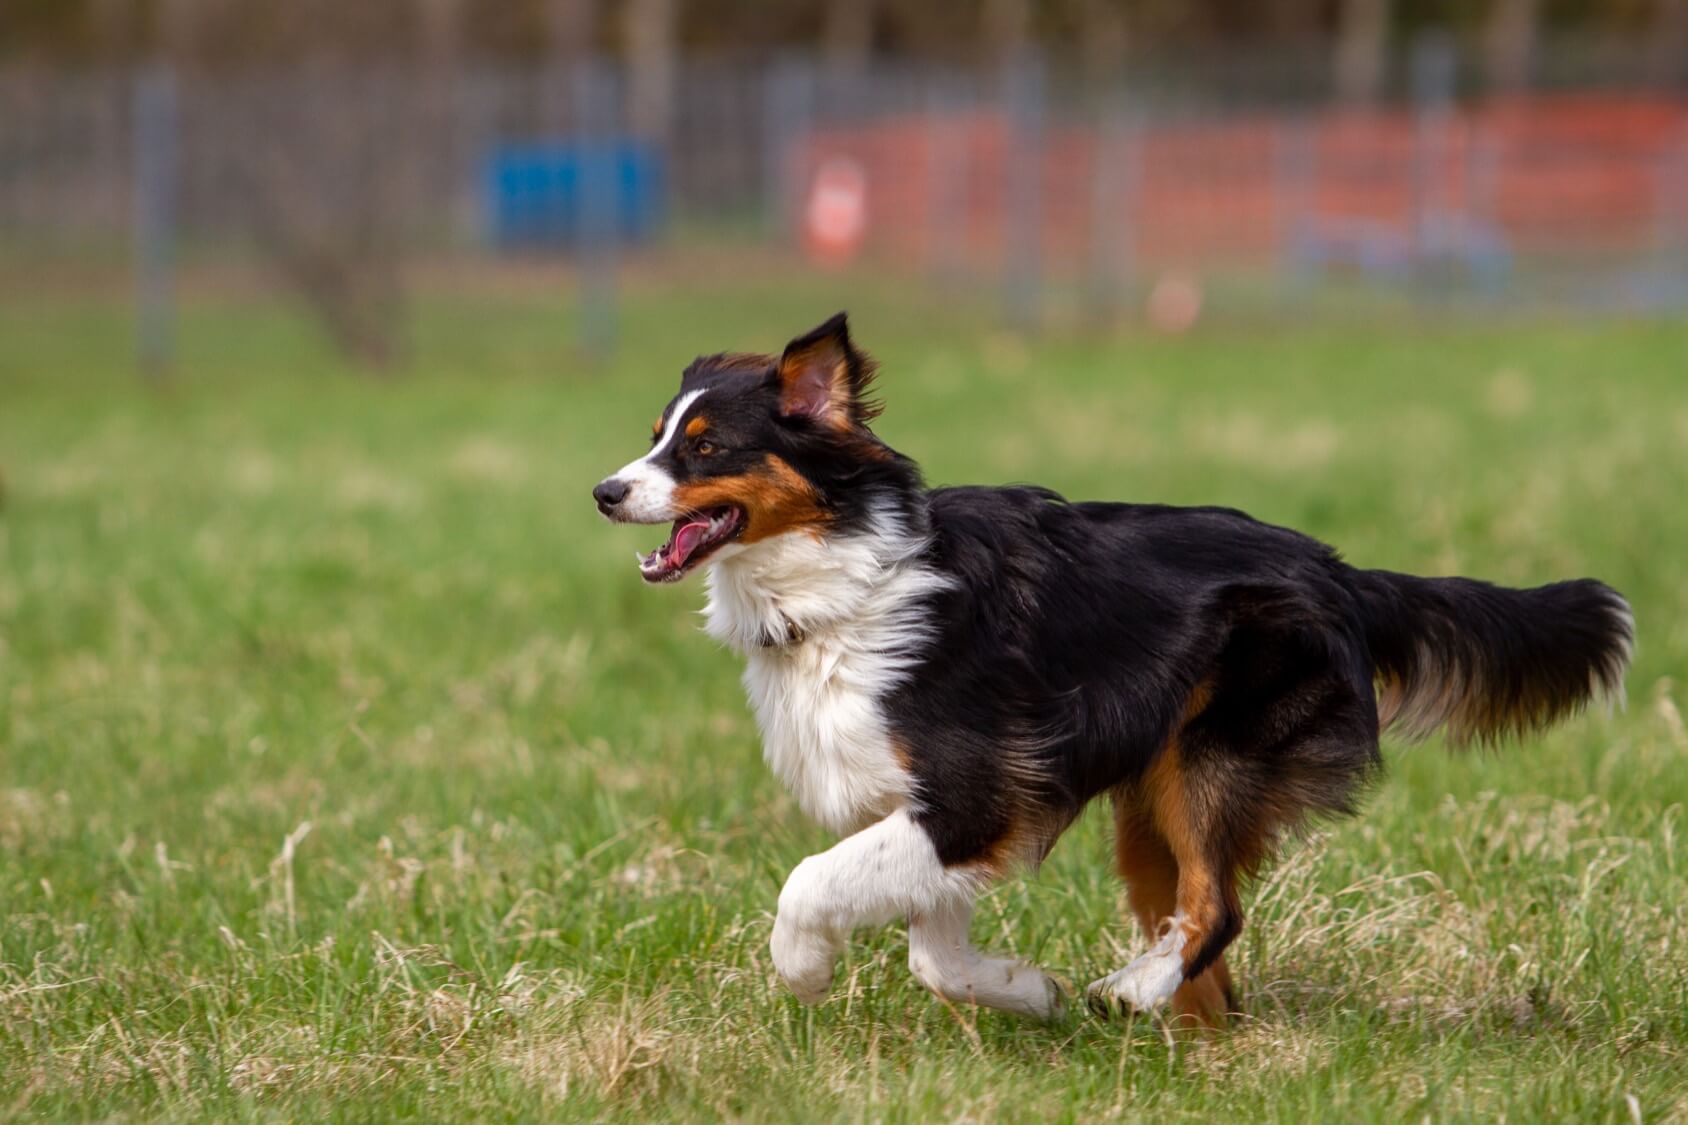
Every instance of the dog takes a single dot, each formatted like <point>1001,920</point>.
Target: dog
<point>946,677</point>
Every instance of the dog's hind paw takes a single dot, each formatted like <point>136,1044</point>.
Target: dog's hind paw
<point>1141,986</point>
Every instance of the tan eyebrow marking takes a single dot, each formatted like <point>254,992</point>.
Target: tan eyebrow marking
<point>656,426</point>
<point>696,426</point>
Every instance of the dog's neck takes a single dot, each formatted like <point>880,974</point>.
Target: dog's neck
<point>800,587</point>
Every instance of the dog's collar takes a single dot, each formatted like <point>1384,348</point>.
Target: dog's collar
<point>793,636</point>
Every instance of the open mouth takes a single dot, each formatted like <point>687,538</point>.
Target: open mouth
<point>693,539</point>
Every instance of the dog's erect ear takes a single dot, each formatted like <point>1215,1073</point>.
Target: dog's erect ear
<point>824,377</point>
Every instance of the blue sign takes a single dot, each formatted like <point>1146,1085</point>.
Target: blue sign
<point>566,193</point>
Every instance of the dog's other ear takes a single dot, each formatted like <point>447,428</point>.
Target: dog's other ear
<point>824,377</point>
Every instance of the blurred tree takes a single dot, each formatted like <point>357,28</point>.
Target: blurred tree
<point>1289,20</point>
<point>571,28</point>
<point>1669,64</point>
<point>1004,27</point>
<point>179,27</point>
<point>113,27</point>
<point>320,180</point>
<point>1102,39</point>
<point>440,32</point>
<point>1509,43</point>
<point>237,32</point>
<point>847,36</point>
<point>334,240</point>
<point>651,43</point>
<point>1362,41</point>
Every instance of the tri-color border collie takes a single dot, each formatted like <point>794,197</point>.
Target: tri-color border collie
<point>947,677</point>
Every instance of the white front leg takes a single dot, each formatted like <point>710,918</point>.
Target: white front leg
<point>942,957</point>
<point>886,871</point>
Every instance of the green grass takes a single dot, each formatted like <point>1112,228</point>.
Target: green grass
<point>534,850</point>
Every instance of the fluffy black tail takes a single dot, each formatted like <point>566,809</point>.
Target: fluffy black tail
<point>1485,661</point>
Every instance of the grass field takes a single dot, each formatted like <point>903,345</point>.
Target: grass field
<point>348,770</point>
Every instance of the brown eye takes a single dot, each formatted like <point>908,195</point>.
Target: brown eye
<point>705,448</point>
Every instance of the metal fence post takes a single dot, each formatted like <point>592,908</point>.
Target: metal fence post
<point>1295,177</point>
<point>788,106</point>
<point>1023,95</point>
<point>155,155</point>
<point>1434,72</point>
<point>1113,207</point>
<point>947,131</point>
<point>1670,206</point>
<point>595,101</point>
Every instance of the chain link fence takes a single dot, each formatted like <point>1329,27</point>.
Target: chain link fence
<point>1243,174</point>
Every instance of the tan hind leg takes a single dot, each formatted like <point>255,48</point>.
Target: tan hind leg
<point>1146,862</point>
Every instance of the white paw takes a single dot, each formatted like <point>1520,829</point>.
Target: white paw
<point>1141,986</point>
<point>803,960</point>
<point>1026,990</point>
<point>1055,1008</point>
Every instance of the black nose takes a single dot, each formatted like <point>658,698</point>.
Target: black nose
<point>609,493</point>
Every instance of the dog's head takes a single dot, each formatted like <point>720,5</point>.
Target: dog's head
<point>755,447</point>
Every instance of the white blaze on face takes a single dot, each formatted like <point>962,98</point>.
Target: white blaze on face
<point>650,490</point>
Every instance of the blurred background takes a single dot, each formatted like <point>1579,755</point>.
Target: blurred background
<point>344,758</point>
<point>1071,161</point>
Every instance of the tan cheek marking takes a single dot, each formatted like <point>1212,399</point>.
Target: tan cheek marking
<point>776,499</point>
<point>696,426</point>
<point>784,502</point>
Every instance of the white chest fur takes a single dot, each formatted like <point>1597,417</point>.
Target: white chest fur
<point>856,604</point>
<point>823,732</point>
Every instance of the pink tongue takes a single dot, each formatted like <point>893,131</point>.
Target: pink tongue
<point>685,542</point>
